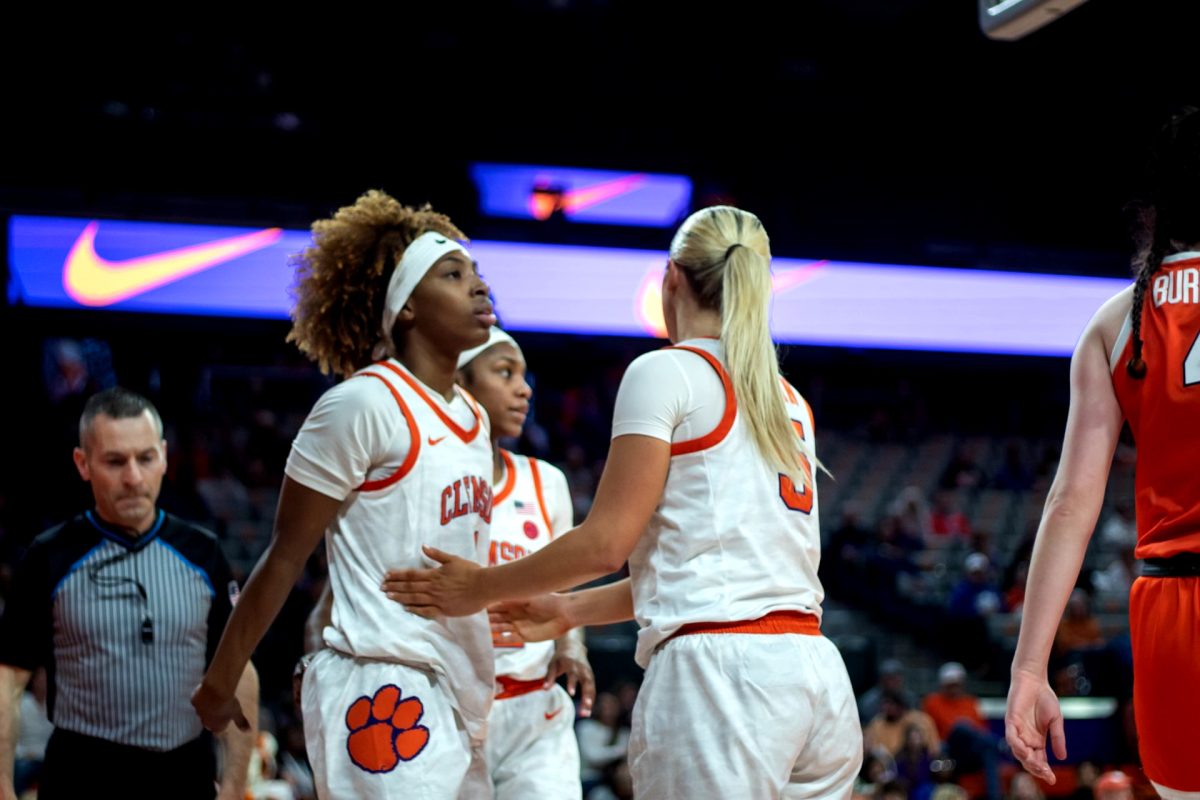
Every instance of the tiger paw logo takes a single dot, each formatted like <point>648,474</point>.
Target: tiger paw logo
<point>384,730</point>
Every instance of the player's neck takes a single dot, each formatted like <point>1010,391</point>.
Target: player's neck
<point>497,463</point>
<point>431,367</point>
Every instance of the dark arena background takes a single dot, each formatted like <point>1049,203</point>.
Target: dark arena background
<point>946,210</point>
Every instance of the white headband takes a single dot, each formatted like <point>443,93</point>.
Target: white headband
<point>419,256</point>
<point>495,336</point>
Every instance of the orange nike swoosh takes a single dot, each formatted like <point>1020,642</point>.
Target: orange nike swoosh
<point>649,296</point>
<point>552,714</point>
<point>432,441</point>
<point>542,205</point>
<point>94,281</point>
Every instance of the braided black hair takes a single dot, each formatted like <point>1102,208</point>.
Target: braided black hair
<point>1168,213</point>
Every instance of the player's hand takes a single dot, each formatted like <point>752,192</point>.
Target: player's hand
<point>1032,713</point>
<point>216,711</point>
<point>8,791</point>
<point>570,659</point>
<point>539,619</point>
<point>454,589</point>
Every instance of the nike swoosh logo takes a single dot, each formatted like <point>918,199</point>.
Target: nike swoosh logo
<point>649,296</point>
<point>542,205</point>
<point>92,280</point>
<point>553,714</point>
<point>432,441</point>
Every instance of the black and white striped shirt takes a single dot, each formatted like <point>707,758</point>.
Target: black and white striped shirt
<point>125,626</point>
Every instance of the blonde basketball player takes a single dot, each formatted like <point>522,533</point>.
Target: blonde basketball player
<point>708,493</point>
<point>396,704</point>
<point>531,747</point>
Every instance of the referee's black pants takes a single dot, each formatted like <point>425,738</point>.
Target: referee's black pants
<point>83,766</point>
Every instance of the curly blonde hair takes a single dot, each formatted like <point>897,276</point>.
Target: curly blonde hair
<point>342,278</point>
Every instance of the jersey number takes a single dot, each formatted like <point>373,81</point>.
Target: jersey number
<point>1191,364</point>
<point>798,499</point>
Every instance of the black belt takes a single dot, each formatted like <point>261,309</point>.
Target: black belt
<point>1184,565</point>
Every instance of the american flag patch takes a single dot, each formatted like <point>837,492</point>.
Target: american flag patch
<point>527,509</point>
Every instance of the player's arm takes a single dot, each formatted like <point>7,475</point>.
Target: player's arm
<point>550,616</point>
<point>319,618</point>
<point>629,492</point>
<point>300,522</point>
<point>238,744</point>
<point>1072,507</point>
<point>570,649</point>
<point>13,681</point>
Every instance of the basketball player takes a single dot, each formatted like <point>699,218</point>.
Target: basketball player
<point>708,493</point>
<point>396,704</point>
<point>531,746</point>
<point>1138,361</point>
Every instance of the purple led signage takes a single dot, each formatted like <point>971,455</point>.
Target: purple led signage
<point>223,271</point>
<point>582,195</point>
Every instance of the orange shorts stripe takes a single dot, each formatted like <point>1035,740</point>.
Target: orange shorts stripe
<point>775,622</point>
<point>511,687</point>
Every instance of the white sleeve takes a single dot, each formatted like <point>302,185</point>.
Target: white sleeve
<point>652,397</point>
<point>354,427</point>
<point>557,495</point>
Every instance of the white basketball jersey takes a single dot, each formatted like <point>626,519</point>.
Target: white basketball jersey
<point>522,522</point>
<point>733,539</point>
<point>441,496</point>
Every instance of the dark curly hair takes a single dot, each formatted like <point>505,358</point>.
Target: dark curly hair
<point>1167,214</point>
<point>342,278</point>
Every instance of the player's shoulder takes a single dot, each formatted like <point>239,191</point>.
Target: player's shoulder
<point>548,472</point>
<point>1109,324</point>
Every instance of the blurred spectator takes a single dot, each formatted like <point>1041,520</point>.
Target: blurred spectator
<point>1115,785</point>
<point>1117,578</point>
<point>34,734</point>
<point>1119,531</point>
<point>911,511</point>
<point>1024,787</point>
<point>617,784</point>
<point>1014,474</point>
<point>603,740</point>
<point>947,522</point>
<point>1014,594</point>
<point>877,770</point>
<point>961,726</point>
<point>963,471</point>
<point>888,729</point>
<point>914,763</point>
<point>891,679</point>
<point>1079,630</point>
<point>1085,781</point>
<point>972,601</point>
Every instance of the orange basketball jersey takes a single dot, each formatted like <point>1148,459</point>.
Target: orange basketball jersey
<point>1163,409</point>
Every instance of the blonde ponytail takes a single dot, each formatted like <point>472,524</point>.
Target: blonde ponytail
<point>726,256</point>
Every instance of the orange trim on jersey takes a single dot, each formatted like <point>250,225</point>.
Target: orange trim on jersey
<point>510,479</point>
<point>722,430</point>
<point>788,391</point>
<point>413,433</point>
<point>455,428</point>
<point>511,687</point>
<point>775,622</point>
<point>537,487</point>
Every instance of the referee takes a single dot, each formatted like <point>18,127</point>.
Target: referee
<point>123,605</point>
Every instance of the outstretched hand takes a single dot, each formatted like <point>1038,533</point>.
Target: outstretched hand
<point>538,619</point>
<point>454,589</point>
<point>1032,713</point>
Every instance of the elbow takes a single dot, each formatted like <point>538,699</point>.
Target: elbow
<point>608,557</point>
<point>609,561</point>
